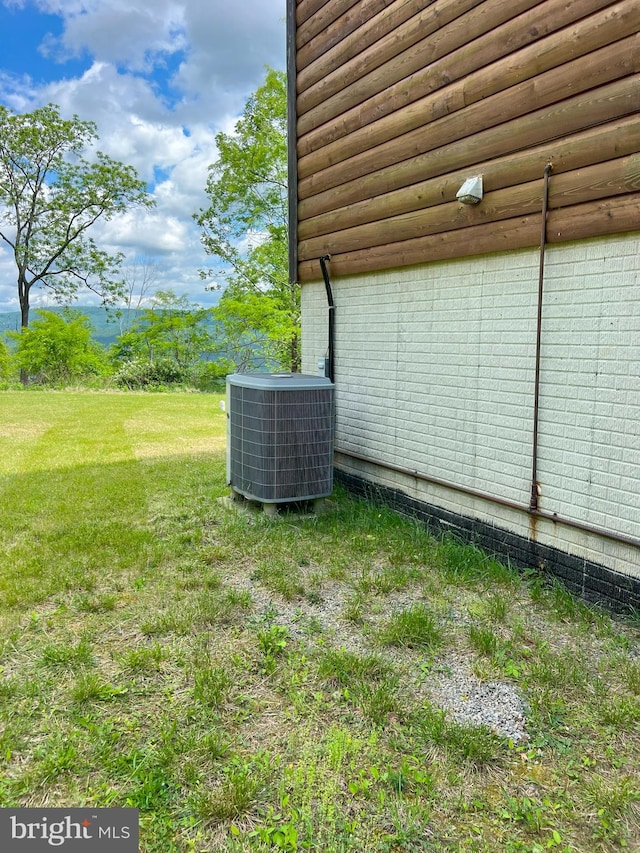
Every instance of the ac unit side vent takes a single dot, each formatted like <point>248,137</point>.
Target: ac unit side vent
<point>281,431</point>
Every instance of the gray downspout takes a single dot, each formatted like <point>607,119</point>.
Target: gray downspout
<point>292,140</point>
<point>330,371</point>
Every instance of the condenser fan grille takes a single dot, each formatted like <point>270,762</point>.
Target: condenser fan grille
<point>280,437</point>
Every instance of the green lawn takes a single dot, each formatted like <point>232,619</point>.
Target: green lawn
<point>256,685</point>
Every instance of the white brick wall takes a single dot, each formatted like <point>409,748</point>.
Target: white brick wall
<point>435,372</point>
<point>590,393</point>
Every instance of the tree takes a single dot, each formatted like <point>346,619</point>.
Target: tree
<point>58,348</point>
<point>172,328</point>
<point>50,196</point>
<point>5,362</point>
<point>246,224</point>
<point>140,279</point>
<point>250,330</point>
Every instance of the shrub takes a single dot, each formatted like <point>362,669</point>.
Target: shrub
<point>142,373</point>
<point>5,362</point>
<point>57,349</point>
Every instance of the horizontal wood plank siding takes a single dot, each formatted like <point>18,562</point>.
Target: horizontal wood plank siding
<point>371,122</point>
<point>314,26</point>
<point>336,32</point>
<point>394,112</point>
<point>317,60</point>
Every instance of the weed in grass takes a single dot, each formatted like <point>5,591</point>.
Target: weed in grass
<point>632,676</point>
<point>612,800</point>
<point>278,831</point>
<point>282,577</point>
<point>67,654</point>
<point>621,712</point>
<point>236,794</point>
<point>376,701</point>
<point>105,735</point>
<point>215,608</point>
<point>272,642</point>
<point>169,622</point>
<point>313,627</point>
<point>215,745</point>
<point>190,583</point>
<point>483,640</point>
<point>218,553</point>
<point>12,739</point>
<point>314,598</point>
<point>474,745</point>
<point>238,599</point>
<point>553,596</point>
<point>343,667</point>
<point>496,608</point>
<point>9,687</point>
<point>467,565</point>
<point>366,681</point>
<point>90,687</point>
<point>566,606</point>
<point>104,603</point>
<point>549,669</point>
<point>338,568</point>
<point>211,686</point>
<point>390,579</point>
<point>535,814</point>
<point>409,777</point>
<point>353,610</point>
<point>501,654</point>
<point>58,755</point>
<point>212,581</point>
<point>150,787</point>
<point>146,659</point>
<point>415,628</point>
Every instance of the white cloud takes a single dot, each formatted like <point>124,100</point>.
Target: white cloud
<point>149,232</point>
<point>164,77</point>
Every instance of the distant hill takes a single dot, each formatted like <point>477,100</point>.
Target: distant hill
<point>106,325</point>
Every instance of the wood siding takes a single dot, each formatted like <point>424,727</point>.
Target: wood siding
<point>399,101</point>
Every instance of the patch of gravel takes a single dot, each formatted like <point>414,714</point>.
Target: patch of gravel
<point>449,685</point>
<point>470,701</point>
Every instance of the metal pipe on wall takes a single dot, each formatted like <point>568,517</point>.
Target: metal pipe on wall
<point>533,509</point>
<point>477,493</point>
<point>535,486</point>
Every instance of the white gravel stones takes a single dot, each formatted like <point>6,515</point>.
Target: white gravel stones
<point>498,705</point>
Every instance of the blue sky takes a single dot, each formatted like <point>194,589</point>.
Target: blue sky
<point>160,78</point>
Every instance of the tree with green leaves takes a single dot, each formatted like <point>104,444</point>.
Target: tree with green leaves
<point>5,362</point>
<point>171,327</point>
<point>51,196</point>
<point>57,348</point>
<point>245,226</point>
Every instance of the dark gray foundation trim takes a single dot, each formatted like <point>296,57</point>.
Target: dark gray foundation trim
<point>591,581</point>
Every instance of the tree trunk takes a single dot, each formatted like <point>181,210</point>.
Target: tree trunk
<point>23,295</point>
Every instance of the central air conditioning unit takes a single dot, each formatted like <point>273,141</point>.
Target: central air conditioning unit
<point>280,436</point>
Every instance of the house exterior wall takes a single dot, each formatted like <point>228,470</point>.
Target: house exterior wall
<point>435,373</point>
<point>394,103</point>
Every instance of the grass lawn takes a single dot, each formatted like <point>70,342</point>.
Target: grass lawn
<point>256,685</point>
